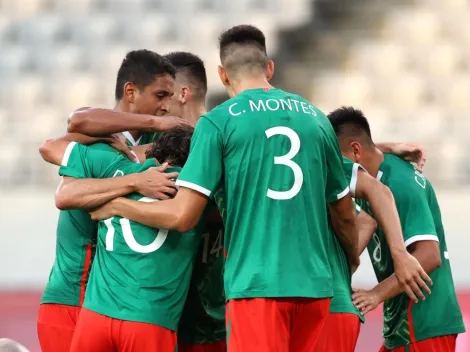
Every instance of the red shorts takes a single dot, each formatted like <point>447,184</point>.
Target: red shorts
<point>99,333</point>
<point>340,333</point>
<point>275,324</point>
<point>445,343</point>
<point>56,324</point>
<point>220,346</point>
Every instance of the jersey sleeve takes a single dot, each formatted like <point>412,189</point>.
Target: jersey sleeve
<point>413,209</point>
<point>203,169</point>
<point>336,183</point>
<point>351,170</point>
<point>80,161</point>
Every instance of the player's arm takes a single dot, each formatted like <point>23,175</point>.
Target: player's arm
<point>102,122</point>
<point>199,177</point>
<point>409,272</point>
<point>340,203</point>
<point>427,253</point>
<point>366,226</point>
<point>90,193</point>
<point>407,151</point>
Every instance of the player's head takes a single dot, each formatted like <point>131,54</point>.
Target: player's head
<point>145,83</point>
<point>8,345</point>
<point>190,83</point>
<point>172,146</point>
<point>243,55</point>
<point>353,132</point>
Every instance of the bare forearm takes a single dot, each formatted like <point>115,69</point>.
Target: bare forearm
<point>386,147</point>
<point>383,206</point>
<point>366,227</point>
<point>156,214</point>
<point>101,122</point>
<point>92,193</point>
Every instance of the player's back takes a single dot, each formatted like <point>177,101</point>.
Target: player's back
<point>276,149</point>
<point>420,217</point>
<point>75,246</point>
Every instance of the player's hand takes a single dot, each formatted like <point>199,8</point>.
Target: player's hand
<point>104,212</point>
<point>411,152</point>
<point>118,141</point>
<point>365,300</point>
<point>412,277</point>
<point>165,123</point>
<point>154,183</point>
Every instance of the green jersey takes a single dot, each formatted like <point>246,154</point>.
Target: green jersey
<point>278,162</point>
<point>203,319</point>
<point>145,138</point>
<point>341,301</point>
<point>139,273</point>
<point>420,217</point>
<point>75,246</point>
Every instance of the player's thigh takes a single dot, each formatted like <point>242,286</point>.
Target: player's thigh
<point>92,333</point>
<point>340,333</point>
<point>445,343</point>
<point>258,324</point>
<point>220,346</point>
<point>136,337</point>
<point>308,320</point>
<point>55,326</point>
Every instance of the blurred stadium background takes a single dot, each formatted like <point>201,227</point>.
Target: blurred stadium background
<point>405,63</point>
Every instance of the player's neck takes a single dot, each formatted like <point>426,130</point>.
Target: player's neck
<point>193,111</point>
<point>246,83</point>
<point>374,160</point>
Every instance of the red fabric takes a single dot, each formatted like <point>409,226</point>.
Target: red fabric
<point>99,333</point>
<point>445,343</point>
<point>86,272</point>
<point>220,346</point>
<point>340,333</point>
<point>55,326</point>
<point>275,324</point>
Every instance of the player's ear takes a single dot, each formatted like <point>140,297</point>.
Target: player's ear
<point>185,94</point>
<point>356,149</point>
<point>130,91</point>
<point>270,70</point>
<point>223,76</point>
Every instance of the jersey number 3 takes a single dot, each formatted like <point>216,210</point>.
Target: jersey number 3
<point>286,160</point>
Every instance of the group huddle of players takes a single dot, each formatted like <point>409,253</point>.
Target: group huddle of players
<point>265,210</point>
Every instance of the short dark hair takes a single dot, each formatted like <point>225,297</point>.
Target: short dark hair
<point>243,46</point>
<point>172,146</point>
<point>193,68</point>
<point>141,67</point>
<point>350,122</point>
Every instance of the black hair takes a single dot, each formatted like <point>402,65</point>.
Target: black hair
<point>193,68</point>
<point>141,67</point>
<point>172,146</point>
<point>350,122</point>
<point>243,46</point>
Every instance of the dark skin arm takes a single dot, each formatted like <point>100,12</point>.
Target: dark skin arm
<point>366,226</point>
<point>102,122</point>
<point>407,151</point>
<point>181,213</point>
<point>410,274</point>
<point>343,218</point>
<point>428,255</point>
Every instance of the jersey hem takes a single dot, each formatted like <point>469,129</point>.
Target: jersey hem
<point>194,187</point>
<point>264,294</point>
<point>449,331</point>
<point>52,300</point>
<point>418,238</point>
<point>343,194</point>
<point>68,151</point>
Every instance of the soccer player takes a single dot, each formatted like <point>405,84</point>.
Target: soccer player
<point>276,160</point>
<point>407,326</point>
<point>140,275</point>
<point>141,72</point>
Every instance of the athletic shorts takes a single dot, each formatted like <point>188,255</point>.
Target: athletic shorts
<point>99,333</point>
<point>220,346</point>
<point>56,325</point>
<point>275,324</point>
<point>340,333</point>
<point>445,343</point>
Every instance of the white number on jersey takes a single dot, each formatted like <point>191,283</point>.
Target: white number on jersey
<point>216,247</point>
<point>287,161</point>
<point>129,236</point>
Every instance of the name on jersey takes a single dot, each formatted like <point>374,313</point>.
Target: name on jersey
<point>237,109</point>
